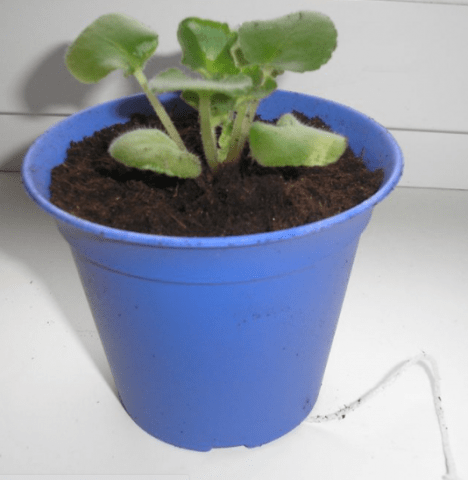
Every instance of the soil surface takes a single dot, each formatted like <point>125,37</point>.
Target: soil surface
<point>242,198</point>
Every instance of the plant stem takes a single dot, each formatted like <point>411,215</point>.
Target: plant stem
<point>242,124</point>
<point>159,109</point>
<point>207,132</point>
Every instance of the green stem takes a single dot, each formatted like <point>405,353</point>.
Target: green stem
<point>159,109</point>
<point>242,123</point>
<point>207,133</point>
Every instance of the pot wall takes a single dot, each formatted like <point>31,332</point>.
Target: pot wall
<point>216,342</point>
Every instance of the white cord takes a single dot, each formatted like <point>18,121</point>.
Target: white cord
<point>430,367</point>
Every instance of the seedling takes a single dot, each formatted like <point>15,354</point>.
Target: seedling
<point>234,70</point>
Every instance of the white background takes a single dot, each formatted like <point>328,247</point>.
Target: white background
<point>404,64</point>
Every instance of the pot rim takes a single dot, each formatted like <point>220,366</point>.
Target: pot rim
<point>125,236</point>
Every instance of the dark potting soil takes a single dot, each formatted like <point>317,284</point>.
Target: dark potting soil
<point>242,198</point>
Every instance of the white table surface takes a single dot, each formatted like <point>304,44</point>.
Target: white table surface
<point>59,413</point>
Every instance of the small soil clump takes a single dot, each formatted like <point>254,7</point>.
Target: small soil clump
<point>241,198</point>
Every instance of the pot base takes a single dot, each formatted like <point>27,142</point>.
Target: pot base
<point>216,342</point>
<point>202,364</point>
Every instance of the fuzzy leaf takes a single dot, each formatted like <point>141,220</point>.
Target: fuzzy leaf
<point>151,149</point>
<point>291,143</point>
<point>111,42</point>
<point>264,84</point>
<point>206,46</point>
<point>175,79</point>
<point>298,42</point>
<point>222,106</point>
<point>222,92</point>
<point>224,139</point>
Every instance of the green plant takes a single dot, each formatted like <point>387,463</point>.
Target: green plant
<point>235,70</point>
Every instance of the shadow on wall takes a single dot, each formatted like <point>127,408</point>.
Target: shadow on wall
<point>50,84</point>
<point>13,161</point>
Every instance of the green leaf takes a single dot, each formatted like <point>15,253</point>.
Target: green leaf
<point>263,83</point>
<point>174,79</point>
<point>290,143</point>
<point>222,106</point>
<point>151,149</point>
<point>111,42</point>
<point>238,56</point>
<point>298,42</point>
<point>224,139</point>
<point>223,92</point>
<point>206,46</point>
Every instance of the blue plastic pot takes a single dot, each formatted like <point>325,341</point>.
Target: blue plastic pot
<point>216,342</point>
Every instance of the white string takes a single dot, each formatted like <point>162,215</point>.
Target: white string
<point>430,367</point>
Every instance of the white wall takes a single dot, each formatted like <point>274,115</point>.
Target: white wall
<point>403,63</point>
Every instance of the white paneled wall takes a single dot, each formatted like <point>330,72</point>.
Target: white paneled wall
<point>403,63</point>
